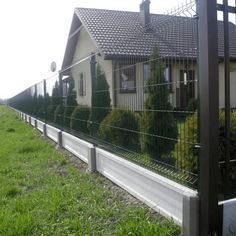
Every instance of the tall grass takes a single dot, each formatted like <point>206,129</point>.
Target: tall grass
<point>42,194</point>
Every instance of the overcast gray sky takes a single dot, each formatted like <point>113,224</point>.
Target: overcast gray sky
<point>34,33</point>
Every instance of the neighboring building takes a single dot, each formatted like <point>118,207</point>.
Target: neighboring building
<point>122,42</point>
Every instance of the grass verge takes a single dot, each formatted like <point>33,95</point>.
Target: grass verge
<point>42,194</point>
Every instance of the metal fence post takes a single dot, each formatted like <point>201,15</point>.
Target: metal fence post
<point>93,76</point>
<point>35,100</point>
<point>44,100</point>
<point>227,99</point>
<point>209,116</point>
<point>61,98</point>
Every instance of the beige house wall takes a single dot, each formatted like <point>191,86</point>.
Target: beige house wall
<point>85,46</point>
<point>134,101</point>
<point>232,85</point>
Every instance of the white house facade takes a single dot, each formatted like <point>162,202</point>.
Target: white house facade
<point>124,57</point>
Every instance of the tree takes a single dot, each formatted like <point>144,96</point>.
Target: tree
<point>70,103</point>
<point>54,102</point>
<point>101,102</point>
<point>58,115</point>
<point>158,127</point>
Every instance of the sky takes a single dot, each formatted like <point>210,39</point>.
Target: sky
<point>34,33</point>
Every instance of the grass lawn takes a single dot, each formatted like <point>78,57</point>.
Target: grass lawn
<point>42,193</point>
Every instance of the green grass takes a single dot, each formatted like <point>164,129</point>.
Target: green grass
<point>42,194</point>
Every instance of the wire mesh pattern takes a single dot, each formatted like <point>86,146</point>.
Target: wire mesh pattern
<point>227,114</point>
<point>135,95</point>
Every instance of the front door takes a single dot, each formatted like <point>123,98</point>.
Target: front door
<point>187,88</point>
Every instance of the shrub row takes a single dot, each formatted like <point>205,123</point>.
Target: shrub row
<point>186,154</point>
<point>124,129</point>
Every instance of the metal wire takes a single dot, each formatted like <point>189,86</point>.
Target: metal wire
<point>144,117</point>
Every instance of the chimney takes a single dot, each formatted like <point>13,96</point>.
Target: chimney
<point>144,13</point>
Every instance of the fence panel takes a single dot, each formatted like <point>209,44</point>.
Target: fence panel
<point>138,99</point>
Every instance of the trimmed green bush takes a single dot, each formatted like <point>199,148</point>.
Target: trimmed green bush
<point>50,112</point>
<point>70,103</point>
<point>79,119</point>
<point>121,128</point>
<point>192,104</point>
<point>58,115</point>
<point>158,126</point>
<point>186,155</point>
<point>222,144</point>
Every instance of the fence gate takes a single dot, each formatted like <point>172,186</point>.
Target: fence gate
<point>217,179</point>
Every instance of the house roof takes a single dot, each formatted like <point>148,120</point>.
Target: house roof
<point>121,34</point>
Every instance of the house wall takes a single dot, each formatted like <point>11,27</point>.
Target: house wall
<point>85,46</point>
<point>132,100</point>
<point>135,101</point>
<point>175,74</point>
<point>176,78</point>
<point>232,84</point>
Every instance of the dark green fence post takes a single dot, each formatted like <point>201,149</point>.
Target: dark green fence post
<point>93,78</point>
<point>209,116</point>
<point>35,99</point>
<point>227,99</point>
<point>44,100</point>
<point>61,99</point>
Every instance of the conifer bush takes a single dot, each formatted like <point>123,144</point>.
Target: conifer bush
<point>158,126</point>
<point>55,100</point>
<point>70,103</point>
<point>192,104</point>
<point>186,154</point>
<point>101,101</point>
<point>121,128</point>
<point>58,115</point>
<point>79,119</point>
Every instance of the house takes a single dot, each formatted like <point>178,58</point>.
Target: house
<point>122,43</point>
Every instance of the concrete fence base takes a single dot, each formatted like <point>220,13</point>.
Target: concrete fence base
<point>228,209</point>
<point>167,197</point>
<point>59,139</point>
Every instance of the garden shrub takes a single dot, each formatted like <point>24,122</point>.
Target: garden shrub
<point>186,155</point>
<point>53,102</point>
<point>158,126</point>
<point>222,144</point>
<point>50,112</point>
<point>79,119</point>
<point>70,103</point>
<point>58,115</point>
<point>41,113</point>
<point>192,105</point>
<point>121,128</point>
<point>101,101</point>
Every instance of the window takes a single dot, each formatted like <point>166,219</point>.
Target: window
<point>167,74</point>
<point>127,78</point>
<point>146,75</point>
<point>82,88</point>
<point>187,87</point>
